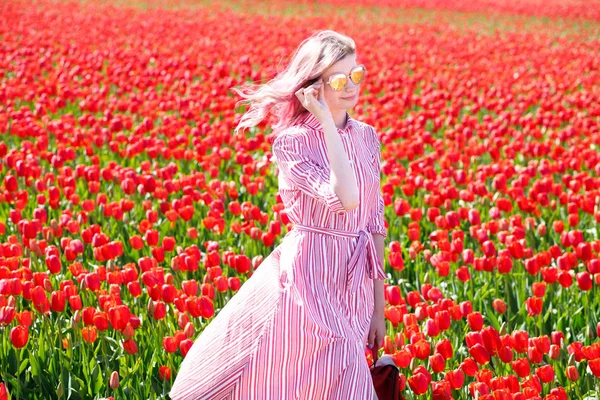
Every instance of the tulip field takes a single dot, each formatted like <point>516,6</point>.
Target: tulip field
<point>130,211</point>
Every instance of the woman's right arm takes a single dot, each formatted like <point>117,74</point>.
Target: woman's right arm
<point>342,177</point>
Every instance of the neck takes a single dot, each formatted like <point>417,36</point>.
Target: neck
<point>339,118</point>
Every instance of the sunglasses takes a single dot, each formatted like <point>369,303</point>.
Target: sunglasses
<point>339,81</point>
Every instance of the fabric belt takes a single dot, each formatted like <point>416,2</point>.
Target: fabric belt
<point>364,258</point>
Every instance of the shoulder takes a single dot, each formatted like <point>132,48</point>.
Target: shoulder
<point>299,135</point>
<point>370,134</point>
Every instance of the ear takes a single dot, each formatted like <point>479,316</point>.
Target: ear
<point>322,91</point>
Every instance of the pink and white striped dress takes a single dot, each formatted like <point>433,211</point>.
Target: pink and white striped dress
<point>297,329</point>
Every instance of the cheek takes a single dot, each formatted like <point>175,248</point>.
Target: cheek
<point>330,97</point>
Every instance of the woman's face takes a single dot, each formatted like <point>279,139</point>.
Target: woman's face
<point>347,97</point>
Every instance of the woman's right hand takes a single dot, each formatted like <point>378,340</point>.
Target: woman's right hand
<point>313,99</point>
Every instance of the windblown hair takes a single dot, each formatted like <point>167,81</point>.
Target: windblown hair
<point>314,55</point>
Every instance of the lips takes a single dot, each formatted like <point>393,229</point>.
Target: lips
<point>349,98</point>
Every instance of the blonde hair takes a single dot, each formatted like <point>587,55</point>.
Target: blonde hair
<point>314,55</point>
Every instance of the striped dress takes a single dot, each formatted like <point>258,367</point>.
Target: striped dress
<point>297,329</point>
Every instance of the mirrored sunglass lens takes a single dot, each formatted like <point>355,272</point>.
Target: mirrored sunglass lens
<point>338,82</point>
<point>357,75</point>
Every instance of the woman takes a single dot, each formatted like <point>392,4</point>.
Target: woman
<point>297,329</point>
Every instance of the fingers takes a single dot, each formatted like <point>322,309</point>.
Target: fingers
<point>307,95</point>
<point>371,339</point>
<point>379,338</point>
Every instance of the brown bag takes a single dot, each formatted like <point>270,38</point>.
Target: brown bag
<point>386,379</point>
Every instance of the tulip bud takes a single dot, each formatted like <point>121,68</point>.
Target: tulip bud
<point>502,331</point>
<point>572,373</point>
<point>48,285</point>
<point>554,352</point>
<point>426,278</point>
<point>413,363</point>
<point>189,330</point>
<point>114,380</point>
<point>588,332</point>
<point>59,390</point>
<point>126,218</point>
<point>151,306</point>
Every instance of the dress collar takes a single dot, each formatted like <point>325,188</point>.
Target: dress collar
<point>309,119</point>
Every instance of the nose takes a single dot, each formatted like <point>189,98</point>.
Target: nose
<point>350,86</point>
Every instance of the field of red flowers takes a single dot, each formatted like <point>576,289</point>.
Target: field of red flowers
<point>130,213</point>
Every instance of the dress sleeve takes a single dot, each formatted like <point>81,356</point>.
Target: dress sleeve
<point>377,224</point>
<point>303,173</point>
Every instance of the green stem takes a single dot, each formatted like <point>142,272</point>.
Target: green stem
<point>18,373</point>
<point>106,368</point>
<point>60,351</point>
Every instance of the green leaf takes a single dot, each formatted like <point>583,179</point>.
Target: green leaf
<point>97,381</point>
<point>12,361</point>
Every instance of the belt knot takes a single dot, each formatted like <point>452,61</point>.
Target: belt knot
<point>364,258</point>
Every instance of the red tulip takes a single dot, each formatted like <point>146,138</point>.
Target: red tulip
<point>595,367</point>
<point>437,362</point>
<point>136,242</point>
<point>160,310</point>
<point>584,281</point>
<point>475,320</point>
<point>480,354</point>
<point>185,346</point>
<point>469,367</point>
<point>10,183</point>
<point>538,289</point>
<point>456,378</point>
<point>444,347</point>
<point>130,346</point>
<point>168,293</point>
<point>19,335</point>
<point>53,263</point>
<point>3,392</point>
<point>101,320</point>
<point>119,317</point>
<point>134,288</point>
<point>168,243</point>
<point>572,373</point>
<point>58,301</point>
<point>505,354</point>
<point>114,380</point>
<point>418,383</point>
<point>7,314</point>
<point>164,373</point>
<point>422,349</point>
<point>169,344</point>
<point>25,318</point>
<point>545,373</point>
<point>463,274</point>
<point>234,283</point>
<point>151,237</point>
<point>534,306</point>
<point>499,306</point>
<point>75,302</point>
<point>92,281</point>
